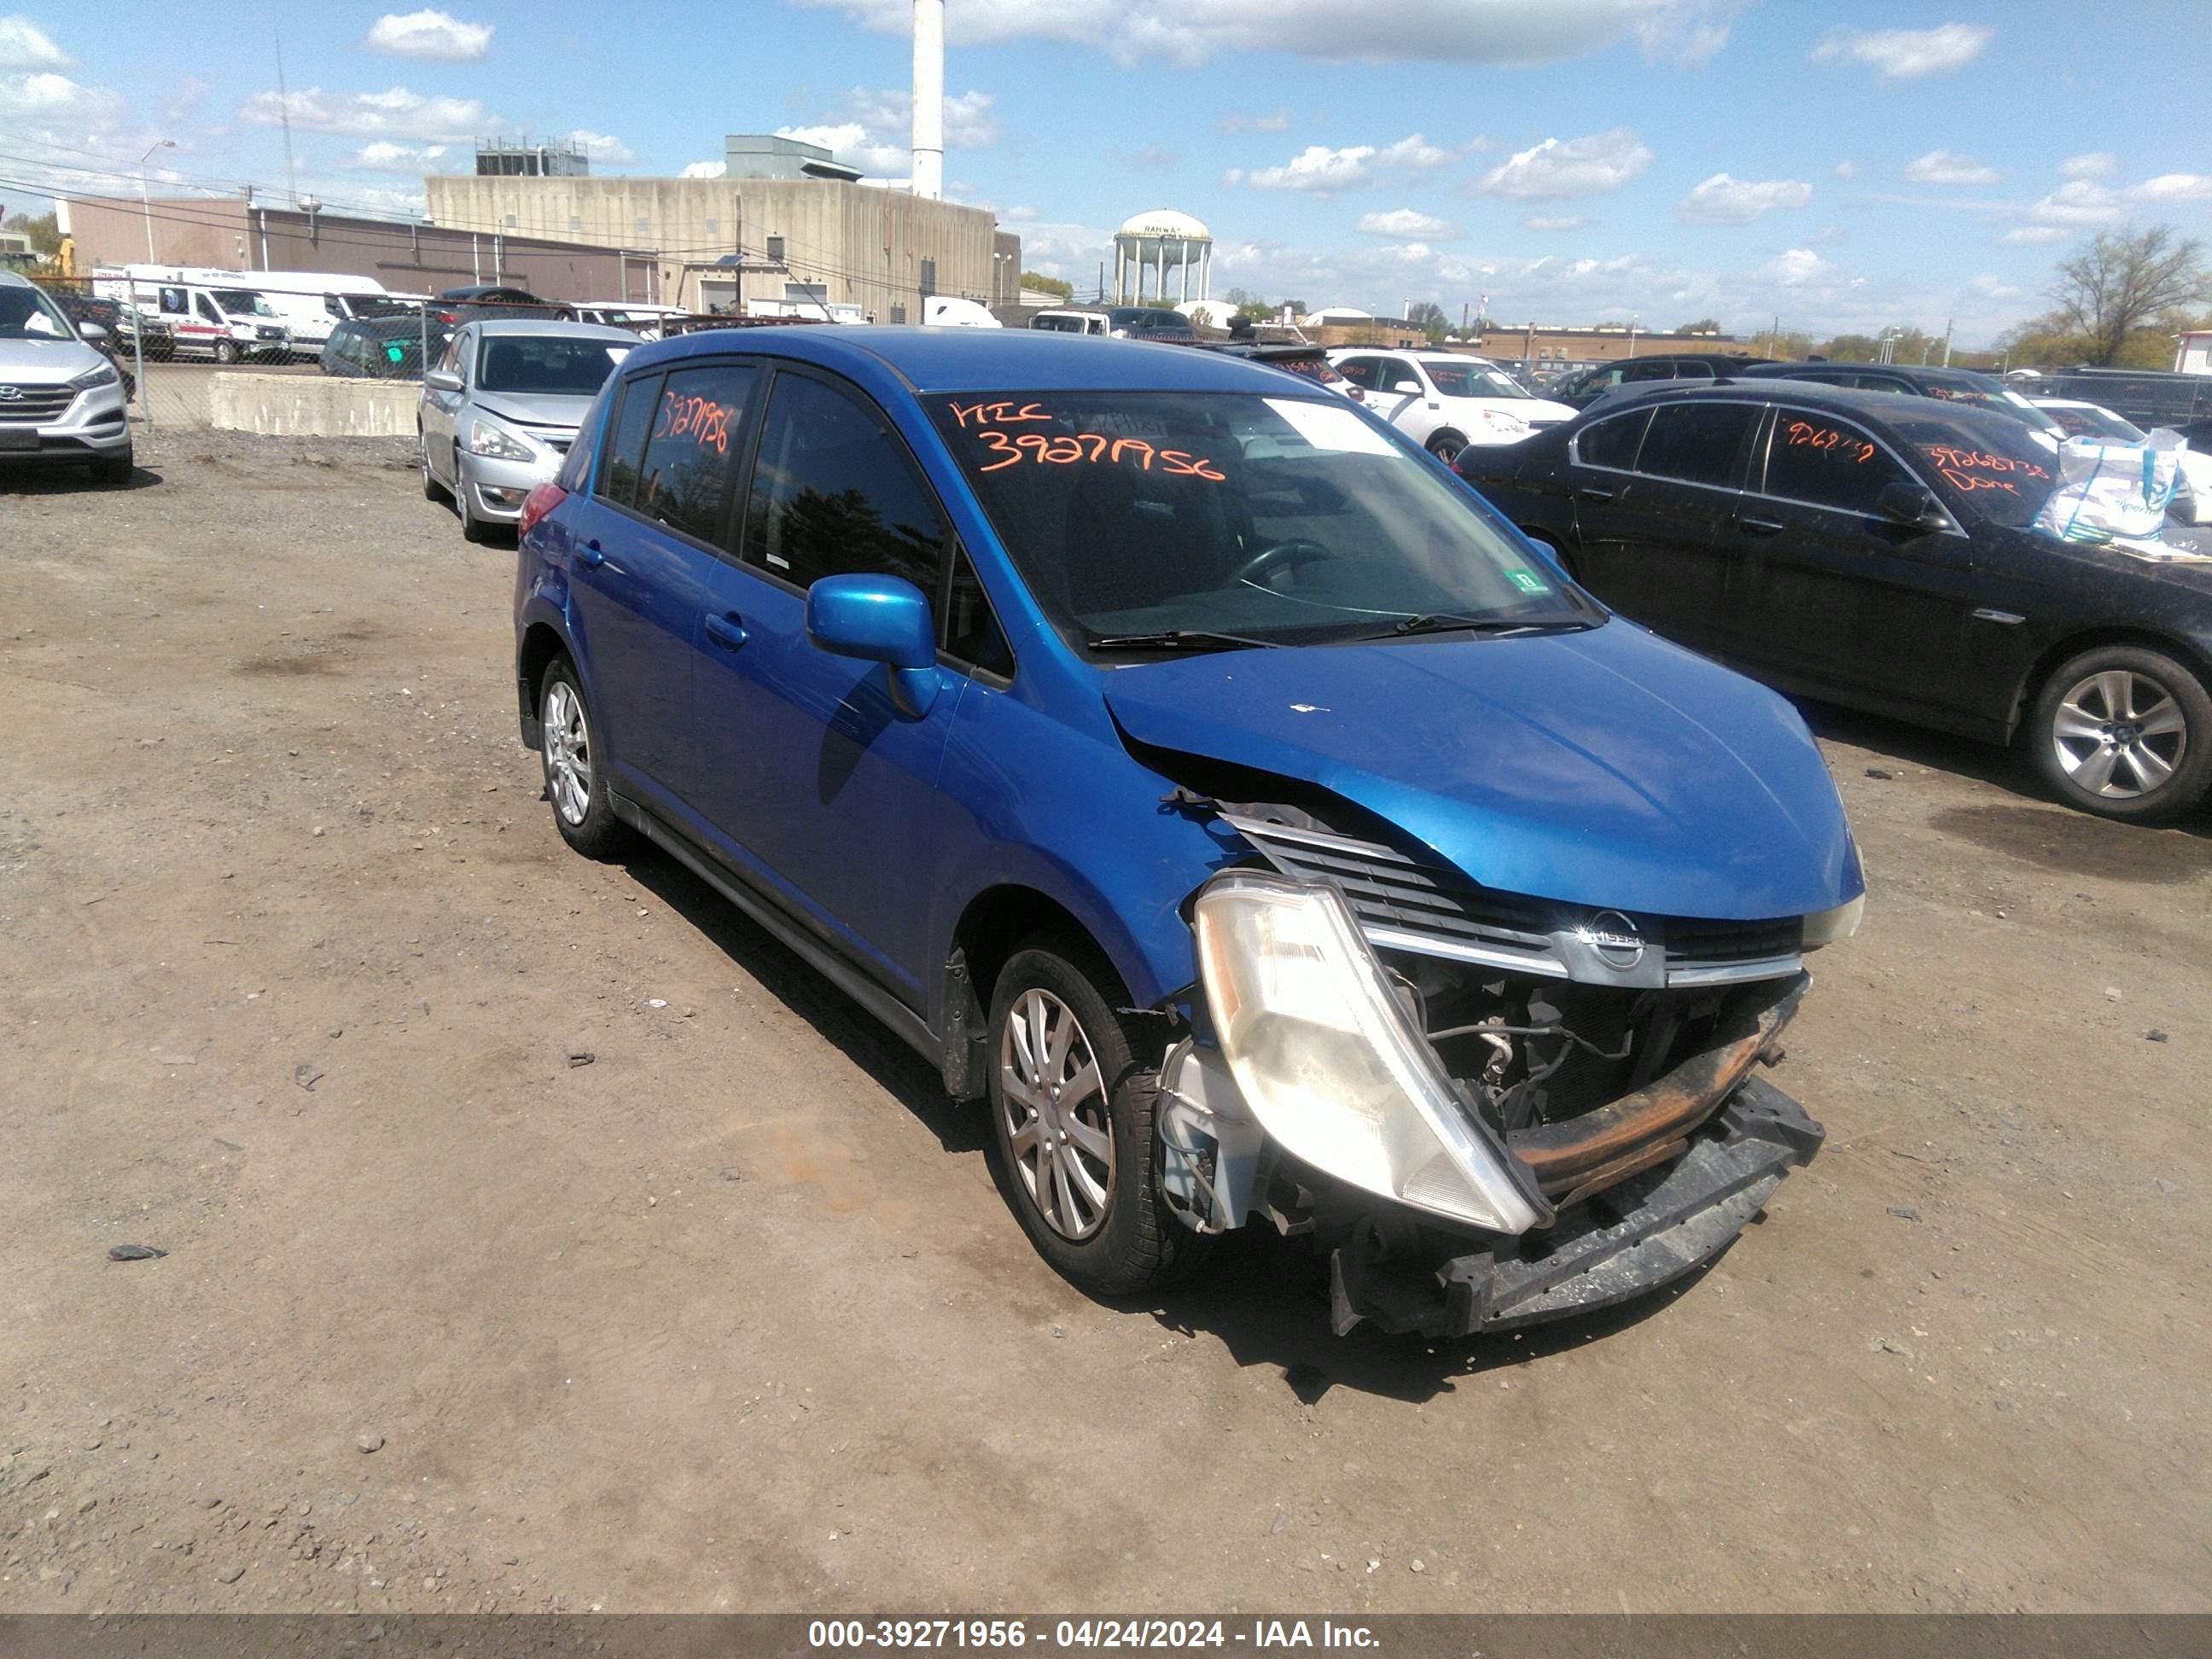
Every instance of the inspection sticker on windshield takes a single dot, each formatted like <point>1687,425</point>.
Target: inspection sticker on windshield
<point>1324,428</point>
<point>1528,581</point>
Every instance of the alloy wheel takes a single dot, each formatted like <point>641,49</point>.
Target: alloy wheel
<point>568,742</point>
<point>1057,1119</point>
<point>2119,734</point>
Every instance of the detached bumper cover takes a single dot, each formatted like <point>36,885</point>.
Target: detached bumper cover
<point>1627,1241</point>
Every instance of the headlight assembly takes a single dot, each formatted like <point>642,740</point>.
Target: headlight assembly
<point>101,374</point>
<point>1828,927</point>
<point>497,442</point>
<point>1330,1064</point>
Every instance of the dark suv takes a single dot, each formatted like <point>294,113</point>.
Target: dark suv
<point>1585,386</point>
<point>1954,386</point>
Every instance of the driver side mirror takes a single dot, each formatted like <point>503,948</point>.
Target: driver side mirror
<point>91,333</point>
<point>1907,504</point>
<point>881,619</point>
<point>442,379</point>
<point>1407,389</point>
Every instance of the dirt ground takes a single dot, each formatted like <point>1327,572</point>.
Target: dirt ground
<point>733,1316</point>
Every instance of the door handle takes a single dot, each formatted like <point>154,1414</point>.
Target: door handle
<point>1762,526</point>
<point>727,631</point>
<point>592,555</point>
<point>1592,493</point>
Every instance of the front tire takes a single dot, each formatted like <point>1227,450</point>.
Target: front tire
<point>432,490</point>
<point>473,529</point>
<point>1446,446</point>
<point>226,352</point>
<point>114,470</point>
<point>2125,732</point>
<point>1071,1110</point>
<point>575,771</point>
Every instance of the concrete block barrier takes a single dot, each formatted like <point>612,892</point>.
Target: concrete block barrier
<point>312,406</point>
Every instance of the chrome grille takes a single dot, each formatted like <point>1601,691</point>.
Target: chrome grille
<point>34,404</point>
<point>1406,903</point>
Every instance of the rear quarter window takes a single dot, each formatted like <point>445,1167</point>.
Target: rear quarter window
<point>1612,443</point>
<point>624,447</point>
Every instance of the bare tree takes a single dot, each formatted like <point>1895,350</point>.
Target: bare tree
<point>2120,282</point>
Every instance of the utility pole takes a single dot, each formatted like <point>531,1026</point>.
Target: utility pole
<point>284,117</point>
<point>1949,324</point>
<point>145,203</point>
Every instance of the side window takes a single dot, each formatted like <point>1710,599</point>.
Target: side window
<point>1397,369</point>
<point>173,302</point>
<point>1693,371</point>
<point>206,308</point>
<point>625,440</point>
<point>1646,371</point>
<point>1876,383</point>
<point>1612,443</point>
<point>1830,463</point>
<point>971,632</point>
<point>1360,371</point>
<point>332,307</point>
<point>1697,443</point>
<point>695,451</point>
<point>835,493</point>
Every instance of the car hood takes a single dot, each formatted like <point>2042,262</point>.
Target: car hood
<point>1606,768</point>
<point>535,408</point>
<point>45,362</point>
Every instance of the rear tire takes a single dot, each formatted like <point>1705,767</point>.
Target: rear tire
<point>575,769</point>
<point>1446,446</point>
<point>1071,1106</point>
<point>2125,732</point>
<point>432,490</point>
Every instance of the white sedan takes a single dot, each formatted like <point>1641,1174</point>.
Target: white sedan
<point>2193,503</point>
<point>1446,400</point>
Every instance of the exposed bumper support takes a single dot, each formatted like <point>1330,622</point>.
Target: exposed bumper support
<point>1638,1235</point>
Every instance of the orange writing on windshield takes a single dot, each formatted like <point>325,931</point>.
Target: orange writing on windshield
<point>1004,413</point>
<point>702,420</point>
<point>1970,470</point>
<point>1827,437</point>
<point>1074,448</point>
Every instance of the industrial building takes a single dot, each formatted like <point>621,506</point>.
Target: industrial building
<point>784,223</point>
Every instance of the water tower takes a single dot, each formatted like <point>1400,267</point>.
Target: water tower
<point>1154,245</point>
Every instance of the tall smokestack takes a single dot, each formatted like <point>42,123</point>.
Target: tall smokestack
<point>929,99</point>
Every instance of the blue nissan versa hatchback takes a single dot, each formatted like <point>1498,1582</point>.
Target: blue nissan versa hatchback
<point>1188,766</point>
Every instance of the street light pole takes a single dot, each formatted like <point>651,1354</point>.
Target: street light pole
<point>145,203</point>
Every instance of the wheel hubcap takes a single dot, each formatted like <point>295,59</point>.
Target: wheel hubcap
<point>567,754</point>
<point>1057,1124</point>
<point>2119,734</point>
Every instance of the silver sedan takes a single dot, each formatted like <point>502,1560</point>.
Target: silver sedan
<point>501,407</point>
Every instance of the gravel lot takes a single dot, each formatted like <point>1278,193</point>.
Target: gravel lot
<point>733,1318</point>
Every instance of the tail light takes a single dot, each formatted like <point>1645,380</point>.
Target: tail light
<point>537,504</point>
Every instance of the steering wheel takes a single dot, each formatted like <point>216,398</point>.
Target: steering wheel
<point>1283,556</point>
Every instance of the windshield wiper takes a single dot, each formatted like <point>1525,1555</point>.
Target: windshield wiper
<point>1178,639</point>
<point>1444,622</point>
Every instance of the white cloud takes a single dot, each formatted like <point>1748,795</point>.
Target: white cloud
<point>1323,171</point>
<point>1554,222</point>
<point>25,45</point>
<point>385,156</point>
<point>876,135</point>
<point>2096,164</point>
<point>2171,188</point>
<point>1408,221</point>
<point>1796,267</point>
<point>1847,169</point>
<point>396,113</point>
<point>2079,203</point>
<point>1943,167</point>
<point>704,170</point>
<point>1827,236</point>
<point>1991,287</point>
<point>1018,215</point>
<point>2034,235</point>
<point>849,142</point>
<point>433,34</point>
<point>1908,54</point>
<point>1723,200</point>
<point>1569,167</point>
<point>602,147</point>
<point>1278,120</point>
<point>1383,31</point>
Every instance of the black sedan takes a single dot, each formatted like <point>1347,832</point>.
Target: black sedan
<point>1878,551</point>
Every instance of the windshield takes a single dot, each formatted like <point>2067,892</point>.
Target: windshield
<point>1472,381</point>
<point>548,364</point>
<point>1279,520</point>
<point>241,302</point>
<point>1998,399</point>
<point>1992,467</point>
<point>26,313</point>
<point>2085,422</point>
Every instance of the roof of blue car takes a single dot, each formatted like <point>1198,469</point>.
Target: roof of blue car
<point>996,359</point>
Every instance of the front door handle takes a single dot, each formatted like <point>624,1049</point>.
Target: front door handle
<point>592,555</point>
<point>1762,526</point>
<point>727,631</point>
<point>1592,493</point>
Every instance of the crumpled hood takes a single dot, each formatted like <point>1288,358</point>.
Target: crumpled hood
<point>1605,769</point>
<point>534,408</point>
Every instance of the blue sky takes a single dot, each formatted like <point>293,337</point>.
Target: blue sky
<point>1573,160</point>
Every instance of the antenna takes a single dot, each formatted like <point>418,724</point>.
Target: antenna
<point>284,116</point>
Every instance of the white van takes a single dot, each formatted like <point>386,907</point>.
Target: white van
<point>947,311</point>
<point>198,319</point>
<point>643,320</point>
<point>1070,322</point>
<point>307,304</point>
